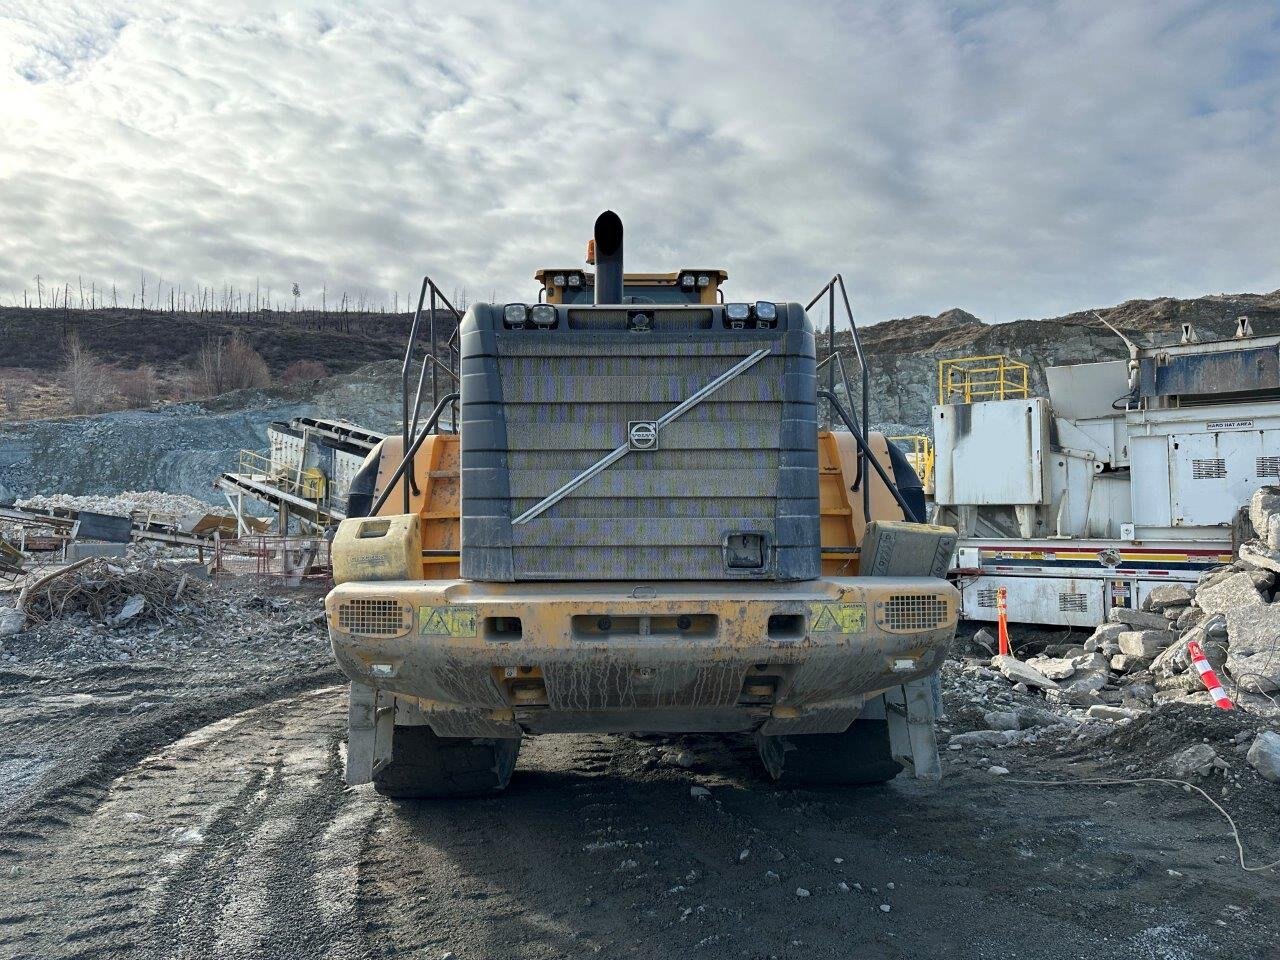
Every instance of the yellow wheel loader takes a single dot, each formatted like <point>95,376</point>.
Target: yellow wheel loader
<point>625,515</point>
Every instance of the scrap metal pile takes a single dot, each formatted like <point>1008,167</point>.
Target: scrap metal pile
<point>110,593</point>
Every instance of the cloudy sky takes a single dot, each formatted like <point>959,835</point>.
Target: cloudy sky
<point>1012,158</point>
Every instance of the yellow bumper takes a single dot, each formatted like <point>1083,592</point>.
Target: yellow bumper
<point>489,659</point>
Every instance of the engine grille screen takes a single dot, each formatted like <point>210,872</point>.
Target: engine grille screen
<point>916,612</point>
<point>367,617</point>
<point>542,407</point>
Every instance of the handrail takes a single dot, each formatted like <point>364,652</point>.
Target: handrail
<point>829,291</point>
<point>993,377</point>
<point>862,445</point>
<point>409,428</point>
<point>407,459</point>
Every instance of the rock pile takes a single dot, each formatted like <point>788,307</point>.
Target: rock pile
<point>1140,658</point>
<point>126,504</point>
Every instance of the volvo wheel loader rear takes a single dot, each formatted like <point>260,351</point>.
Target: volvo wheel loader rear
<point>626,518</point>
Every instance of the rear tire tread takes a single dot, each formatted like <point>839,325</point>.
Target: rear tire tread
<point>425,765</point>
<point>858,757</point>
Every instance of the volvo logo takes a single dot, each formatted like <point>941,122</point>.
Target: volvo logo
<point>642,434</point>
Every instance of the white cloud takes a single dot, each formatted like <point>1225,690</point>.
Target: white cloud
<point>1016,159</point>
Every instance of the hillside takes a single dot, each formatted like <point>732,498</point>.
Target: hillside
<point>181,447</point>
<point>903,354</point>
<point>341,341</point>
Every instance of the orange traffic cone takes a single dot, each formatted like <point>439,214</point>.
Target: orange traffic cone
<point>1002,611</point>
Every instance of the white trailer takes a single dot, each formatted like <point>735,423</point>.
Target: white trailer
<point>1129,475</point>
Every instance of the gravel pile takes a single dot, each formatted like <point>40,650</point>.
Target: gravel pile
<point>126,504</point>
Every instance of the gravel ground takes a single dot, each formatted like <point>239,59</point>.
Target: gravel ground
<point>188,802</point>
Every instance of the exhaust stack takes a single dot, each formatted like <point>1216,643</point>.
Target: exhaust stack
<point>608,249</point>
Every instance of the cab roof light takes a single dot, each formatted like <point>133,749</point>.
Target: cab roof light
<point>514,315</point>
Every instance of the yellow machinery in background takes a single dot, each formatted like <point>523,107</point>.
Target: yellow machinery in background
<point>919,451</point>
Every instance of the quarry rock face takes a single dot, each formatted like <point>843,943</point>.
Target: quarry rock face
<point>179,448</point>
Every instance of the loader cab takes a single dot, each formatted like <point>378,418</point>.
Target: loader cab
<point>577,286</point>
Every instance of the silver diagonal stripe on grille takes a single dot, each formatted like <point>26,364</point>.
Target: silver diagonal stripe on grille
<point>611,458</point>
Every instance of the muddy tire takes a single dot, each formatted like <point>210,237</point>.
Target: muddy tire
<point>425,765</point>
<point>859,756</point>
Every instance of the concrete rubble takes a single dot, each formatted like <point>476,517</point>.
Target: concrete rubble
<point>1135,672</point>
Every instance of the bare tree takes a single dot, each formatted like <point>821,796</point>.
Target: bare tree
<point>88,381</point>
<point>301,370</point>
<point>224,364</point>
<point>137,387</point>
<point>14,394</point>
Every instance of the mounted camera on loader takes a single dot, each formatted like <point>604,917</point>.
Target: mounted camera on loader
<point>626,517</point>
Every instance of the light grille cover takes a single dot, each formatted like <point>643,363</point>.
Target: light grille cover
<point>369,617</point>
<point>911,612</point>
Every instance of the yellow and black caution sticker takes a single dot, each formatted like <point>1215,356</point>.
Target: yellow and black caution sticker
<point>837,617</point>
<point>446,622</point>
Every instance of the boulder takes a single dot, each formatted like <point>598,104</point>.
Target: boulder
<point>1089,680</point>
<point>1002,720</point>
<point>1105,635</point>
<point>1137,619</point>
<point>1167,595</point>
<point>1253,647</point>
<point>1232,593</point>
<point>985,638</point>
<point>1198,760</point>
<point>1188,618</point>
<point>1264,755</point>
<point>1101,711</point>
<point>1018,672</point>
<point>1272,536</point>
<point>1123,663</point>
<point>1261,555</point>
<point>1055,668</point>
<point>1264,505</point>
<point>1138,695</point>
<point>12,621</point>
<point>1145,643</point>
<point>1172,660</point>
<point>1214,575</point>
<point>1029,717</point>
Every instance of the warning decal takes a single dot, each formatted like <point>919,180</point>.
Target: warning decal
<point>838,617</point>
<point>446,622</point>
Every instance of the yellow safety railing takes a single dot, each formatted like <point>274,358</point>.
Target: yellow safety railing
<point>919,451</point>
<point>310,483</point>
<point>969,379</point>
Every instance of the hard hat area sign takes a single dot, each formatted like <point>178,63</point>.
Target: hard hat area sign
<point>446,622</point>
<point>837,617</point>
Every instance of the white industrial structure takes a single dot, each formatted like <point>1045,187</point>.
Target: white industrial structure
<point>1129,475</point>
<point>303,476</point>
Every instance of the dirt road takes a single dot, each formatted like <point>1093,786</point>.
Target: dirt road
<point>239,840</point>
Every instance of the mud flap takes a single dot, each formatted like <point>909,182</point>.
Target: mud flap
<point>913,737</point>
<point>370,728</point>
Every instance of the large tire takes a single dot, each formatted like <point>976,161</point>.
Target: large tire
<point>857,757</point>
<point>425,765</point>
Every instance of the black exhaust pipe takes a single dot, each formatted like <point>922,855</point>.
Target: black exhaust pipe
<point>608,234</point>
